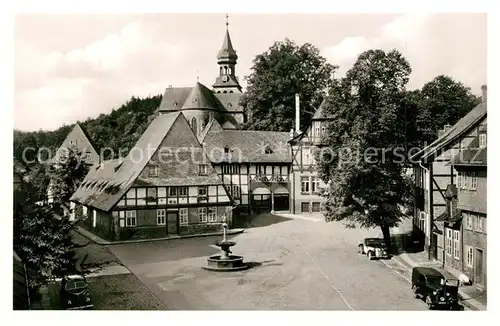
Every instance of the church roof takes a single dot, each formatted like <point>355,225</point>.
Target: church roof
<point>200,98</point>
<point>227,51</point>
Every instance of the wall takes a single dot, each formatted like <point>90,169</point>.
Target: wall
<point>300,198</point>
<point>475,201</point>
<point>476,240</point>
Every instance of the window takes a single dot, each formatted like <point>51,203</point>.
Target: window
<point>151,196</point>
<point>470,257</point>
<point>183,191</point>
<point>131,218</point>
<point>202,191</point>
<point>153,171</point>
<point>482,140</point>
<point>315,207</point>
<point>317,130</point>
<point>172,191</point>
<point>202,214</point>
<point>235,191</point>
<point>193,125</point>
<point>202,169</point>
<point>468,221</point>
<point>473,181</point>
<point>478,224</point>
<point>456,244</point>
<point>94,218</point>
<point>304,182</point>
<point>162,195</point>
<point>84,211</point>
<point>268,150</point>
<point>449,241</point>
<point>183,216</point>
<point>212,214</point>
<point>422,221</point>
<point>306,158</point>
<point>459,180</point>
<point>88,155</point>
<point>304,207</point>
<point>315,185</point>
<point>160,216</point>
<point>465,181</point>
<point>130,197</point>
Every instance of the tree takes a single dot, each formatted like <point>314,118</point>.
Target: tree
<point>442,101</point>
<point>363,164</point>
<point>42,241</point>
<point>277,75</point>
<point>66,174</point>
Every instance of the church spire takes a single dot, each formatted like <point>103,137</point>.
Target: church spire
<point>227,54</point>
<point>227,82</point>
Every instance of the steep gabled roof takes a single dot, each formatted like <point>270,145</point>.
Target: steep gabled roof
<point>212,125</point>
<point>174,98</point>
<point>200,98</point>
<point>470,120</point>
<point>230,101</point>
<point>248,146</point>
<point>320,112</point>
<point>90,191</point>
<point>83,143</point>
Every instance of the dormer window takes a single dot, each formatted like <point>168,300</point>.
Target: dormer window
<point>153,171</point>
<point>268,150</point>
<point>482,140</point>
<point>202,169</point>
<point>226,150</point>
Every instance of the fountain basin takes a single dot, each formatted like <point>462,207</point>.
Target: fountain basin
<point>223,263</point>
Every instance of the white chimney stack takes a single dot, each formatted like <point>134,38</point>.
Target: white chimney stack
<point>484,93</point>
<point>297,113</point>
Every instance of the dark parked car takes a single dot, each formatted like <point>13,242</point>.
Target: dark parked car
<point>437,291</point>
<point>75,293</point>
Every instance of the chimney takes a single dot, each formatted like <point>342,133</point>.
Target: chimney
<point>484,93</point>
<point>297,113</point>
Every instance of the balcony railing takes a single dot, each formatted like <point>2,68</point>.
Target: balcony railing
<point>269,178</point>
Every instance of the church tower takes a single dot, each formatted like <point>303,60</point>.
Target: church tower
<point>227,82</point>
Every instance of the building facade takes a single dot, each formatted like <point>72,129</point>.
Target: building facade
<point>434,172</point>
<point>306,185</point>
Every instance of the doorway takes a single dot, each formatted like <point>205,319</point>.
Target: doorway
<point>172,223</point>
<point>434,246</point>
<point>478,268</point>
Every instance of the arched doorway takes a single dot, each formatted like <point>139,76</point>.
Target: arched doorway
<point>281,199</point>
<point>261,200</point>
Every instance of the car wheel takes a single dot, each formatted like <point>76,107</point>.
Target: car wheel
<point>428,302</point>
<point>370,255</point>
<point>415,291</point>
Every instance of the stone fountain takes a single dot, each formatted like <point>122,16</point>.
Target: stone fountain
<point>225,261</point>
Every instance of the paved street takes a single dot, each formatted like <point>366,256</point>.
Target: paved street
<point>301,264</point>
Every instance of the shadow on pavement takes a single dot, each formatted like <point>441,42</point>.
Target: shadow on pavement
<point>257,221</point>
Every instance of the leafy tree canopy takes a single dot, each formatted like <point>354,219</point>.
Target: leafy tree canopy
<point>277,75</point>
<point>363,163</point>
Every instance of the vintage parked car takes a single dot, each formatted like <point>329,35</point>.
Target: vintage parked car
<point>373,248</point>
<point>74,293</point>
<point>436,290</point>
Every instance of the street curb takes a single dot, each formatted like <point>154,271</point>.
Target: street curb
<point>464,298</point>
<point>89,235</point>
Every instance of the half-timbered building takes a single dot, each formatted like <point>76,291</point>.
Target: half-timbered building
<point>164,186</point>
<point>433,173</point>
<point>305,182</point>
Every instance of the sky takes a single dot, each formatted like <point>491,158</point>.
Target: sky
<point>71,67</point>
